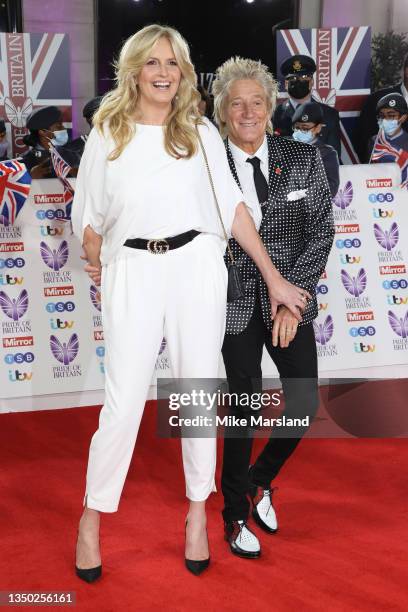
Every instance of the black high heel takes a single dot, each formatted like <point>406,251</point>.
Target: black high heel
<point>196,567</point>
<point>90,574</point>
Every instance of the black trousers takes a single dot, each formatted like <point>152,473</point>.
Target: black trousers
<point>242,355</point>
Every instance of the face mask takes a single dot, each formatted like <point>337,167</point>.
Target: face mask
<point>60,138</point>
<point>300,136</point>
<point>298,89</point>
<point>388,125</point>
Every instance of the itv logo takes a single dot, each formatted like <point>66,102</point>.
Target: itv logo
<point>11,280</point>
<point>16,376</point>
<point>360,347</point>
<point>397,300</point>
<point>379,213</point>
<point>349,259</point>
<point>58,324</point>
<point>46,230</point>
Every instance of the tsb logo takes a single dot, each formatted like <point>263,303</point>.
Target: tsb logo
<point>12,262</point>
<point>322,289</point>
<point>362,331</point>
<point>19,358</point>
<point>50,213</point>
<point>348,243</point>
<point>380,197</point>
<point>395,284</point>
<point>60,306</point>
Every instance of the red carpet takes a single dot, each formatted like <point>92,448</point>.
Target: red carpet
<point>342,544</point>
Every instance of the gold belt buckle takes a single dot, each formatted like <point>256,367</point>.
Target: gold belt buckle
<point>158,246</point>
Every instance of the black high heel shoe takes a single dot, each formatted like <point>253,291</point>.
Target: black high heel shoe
<point>196,567</point>
<point>90,574</point>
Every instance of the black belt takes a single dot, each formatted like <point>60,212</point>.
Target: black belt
<point>159,246</point>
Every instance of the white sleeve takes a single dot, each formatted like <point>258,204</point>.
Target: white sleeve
<point>228,193</point>
<point>90,201</point>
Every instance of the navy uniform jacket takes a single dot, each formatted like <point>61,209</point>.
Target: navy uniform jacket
<point>331,165</point>
<point>297,235</point>
<point>367,125</point>
<point>36,156</point>
<point>330,134</point>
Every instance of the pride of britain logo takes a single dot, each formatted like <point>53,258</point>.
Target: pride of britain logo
<point>323,334</point>
<point>399,326</point>
<point>65,353</point>
<point>342,201</point>
<point>55,259</point>
<point>355,286</point>
<point>15,308</point>
<point>388,240</point>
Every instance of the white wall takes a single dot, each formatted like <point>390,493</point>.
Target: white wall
<point>75,18</point>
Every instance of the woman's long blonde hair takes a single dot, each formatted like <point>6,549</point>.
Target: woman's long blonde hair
<point>118,107</point>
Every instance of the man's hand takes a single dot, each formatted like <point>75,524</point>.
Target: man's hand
<point>284,328</point>
<point>283,292</point>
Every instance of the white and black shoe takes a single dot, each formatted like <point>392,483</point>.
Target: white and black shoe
<point>263,511</point>
<point>243,542</point>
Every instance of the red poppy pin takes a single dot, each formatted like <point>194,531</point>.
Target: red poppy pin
<point>278,170</point>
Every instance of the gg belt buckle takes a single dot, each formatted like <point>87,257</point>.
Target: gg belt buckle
<point>158,246</point>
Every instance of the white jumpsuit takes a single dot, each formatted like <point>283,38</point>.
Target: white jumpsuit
<point>181,295</point>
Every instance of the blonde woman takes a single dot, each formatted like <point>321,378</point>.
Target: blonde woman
<point>144,212</point>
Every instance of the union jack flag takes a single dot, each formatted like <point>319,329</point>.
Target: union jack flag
<point>62,169</point>
<point>15,182</point>
<point>34,72</point>
<point>342,78</point>
<point>383,151</point>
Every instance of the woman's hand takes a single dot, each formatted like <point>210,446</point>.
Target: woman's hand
<point>284,327</point>
<point>92,243</point>
<point>283,292</point>
<point>94,272</point>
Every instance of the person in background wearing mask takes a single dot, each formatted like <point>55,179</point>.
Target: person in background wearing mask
<point>307,125</point>
<point>298,71</point>
<point>46,127</point>
<point>367,122</point>
<point>73,151</point>
<point>4,143</point>
<point>392,114</point>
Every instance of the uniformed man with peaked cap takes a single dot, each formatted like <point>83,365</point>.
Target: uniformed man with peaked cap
<point>298,71</point>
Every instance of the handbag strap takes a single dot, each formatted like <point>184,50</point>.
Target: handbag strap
<point>215,196</point>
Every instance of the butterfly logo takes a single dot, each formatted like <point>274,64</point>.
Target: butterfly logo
<point>344,197</point>
<point>324,331</point>
<point>18,115</point>
<point>354,284</point>
<point>54,258</point>
<point>14,308</point>
<point>95,297</point>
<point>399,325</point>
<point>162,346</point>
<point>64,352</point>
<point>388,239</point>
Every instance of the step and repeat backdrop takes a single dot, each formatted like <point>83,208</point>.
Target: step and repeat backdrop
<point>50,312</point>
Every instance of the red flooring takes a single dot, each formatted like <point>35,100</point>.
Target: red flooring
<point>342,543</point>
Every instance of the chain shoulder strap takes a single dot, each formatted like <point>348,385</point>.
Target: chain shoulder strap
<point>215,196</point>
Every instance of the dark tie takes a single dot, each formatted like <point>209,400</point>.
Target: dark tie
<point>260,181</point>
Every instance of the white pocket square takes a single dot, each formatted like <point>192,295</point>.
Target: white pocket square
<point>296,195</point>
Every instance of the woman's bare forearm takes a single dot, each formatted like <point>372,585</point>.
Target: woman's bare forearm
<point>91,244</point>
